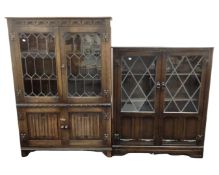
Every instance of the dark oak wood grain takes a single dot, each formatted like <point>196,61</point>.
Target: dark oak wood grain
<point>56,112</point>
<point>59,121</point>
<point>159,131</point>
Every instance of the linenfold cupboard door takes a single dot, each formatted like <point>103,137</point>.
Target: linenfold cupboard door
<point>36,66</point>
<point>40,127</point>
<point>86,127</point>
<point>85,63</point>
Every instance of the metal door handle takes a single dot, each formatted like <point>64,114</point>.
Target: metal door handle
<point>158,85</point>
<point>64,126</point>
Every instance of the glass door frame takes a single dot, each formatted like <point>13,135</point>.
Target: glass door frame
<point>157,79</point>
<point>104,66</point>
<point>183,52</point>
<point>20,97</point>
<point>118,115</point>
<point>180,119</point>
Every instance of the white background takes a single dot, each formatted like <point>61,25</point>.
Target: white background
<point>172,23</point>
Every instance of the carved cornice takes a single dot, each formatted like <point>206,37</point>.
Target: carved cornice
<point>59,21</point>
<point>64,105</point>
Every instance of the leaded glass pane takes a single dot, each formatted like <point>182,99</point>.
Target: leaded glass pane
<point>183,79</point>
<point>138,84</point>
<point>83,54</point>
<point>38,64</point>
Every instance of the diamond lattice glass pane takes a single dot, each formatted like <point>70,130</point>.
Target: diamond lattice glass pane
<point>191,84</point>
<point>129,84</point>
<point>137,93</point>
<point>190,107</point>
<point>82,51</point>
<point>138,84</point>
<point>171,106</point>
<point>38,64</point>
<point>183,78</point>
<point>173,82</point>
<point>147,106</point>
<point>183,65</point>
<point>181,104</point>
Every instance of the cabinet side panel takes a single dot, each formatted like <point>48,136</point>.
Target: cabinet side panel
<point>206,95</point>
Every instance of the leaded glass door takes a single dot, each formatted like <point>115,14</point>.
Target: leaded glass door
<point>84,65</point>
<point>136,95</point>
<point>183,83</point>
<point>38,73</point>
<point>138,83</point>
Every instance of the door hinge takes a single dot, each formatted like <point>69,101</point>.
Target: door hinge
<point>199,139</point>
<point>106,92</point>
<point>106,115</point>
<point>106,37</point>
<point>23,137</point>
<point>18,92</point>
<point>12,36</point>
<point>117,136</point>
<point>106,136</point>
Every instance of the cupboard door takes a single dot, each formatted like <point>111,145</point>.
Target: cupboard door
<point>183,95</point>
<point>89,127</point>
<point>39,127</point>
<point>85,61</point>
<point>136,95</point>
<point>37,62</point>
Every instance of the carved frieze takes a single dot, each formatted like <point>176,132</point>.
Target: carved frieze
<point>59,21</point>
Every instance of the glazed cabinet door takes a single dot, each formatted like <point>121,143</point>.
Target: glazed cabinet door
<point>85,65</point>
<point>35,62</point>
<point>136,96</point>
<point>183,94</point>
<point>40,127</point>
